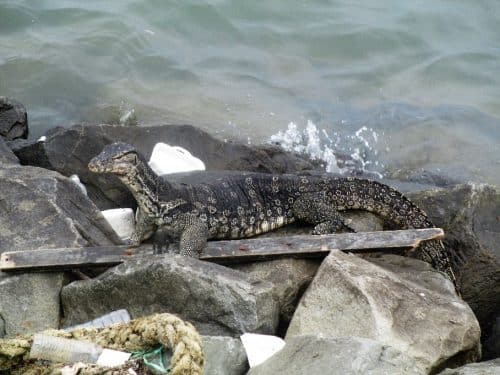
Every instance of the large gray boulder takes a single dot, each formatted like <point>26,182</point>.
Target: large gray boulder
<point>468,214</point>
<point>29,302</point>
<point>68,151</point>
<point>216,299</point>
<point>289,277</point>
<point>13,119</point>
<point>482,368</point>
<point>400,302</point>
<point>43,209</point>
<point>337,356</point>
<point>224,356</point>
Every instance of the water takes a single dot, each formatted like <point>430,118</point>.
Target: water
<point>423,78</point>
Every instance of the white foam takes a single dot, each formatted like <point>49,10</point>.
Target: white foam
<point>128,117</point>
<point>325,145</point>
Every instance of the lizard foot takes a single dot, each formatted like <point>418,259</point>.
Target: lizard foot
<point>192,254</point>
<point>333,226</point>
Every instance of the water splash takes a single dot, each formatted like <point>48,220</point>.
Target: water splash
<point>340,151</point>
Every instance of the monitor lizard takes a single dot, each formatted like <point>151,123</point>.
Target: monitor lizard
<point>232,205</point>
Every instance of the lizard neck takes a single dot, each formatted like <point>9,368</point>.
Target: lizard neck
<point>144,185</point>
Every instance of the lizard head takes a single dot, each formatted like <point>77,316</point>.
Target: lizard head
<point>117,158</point>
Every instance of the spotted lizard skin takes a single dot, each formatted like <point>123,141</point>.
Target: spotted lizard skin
<point>231,205</point>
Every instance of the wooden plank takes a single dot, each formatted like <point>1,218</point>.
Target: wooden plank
<point>221,251</point>
<point>308,245</point>
<point>67,258</point>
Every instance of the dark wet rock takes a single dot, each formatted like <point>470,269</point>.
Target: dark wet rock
<point>30,150</point>
<point>68,151</point>
<point>224,356</point>
<point>43,209</point>
<point>482,368</point>
<point>469,215</point>
<point>398,301</point>
<point>29,302</point>
<point>290,277</point>
<point>13,119</point>
<point>492,343</point>
<point>346,356</point>
<point>6,154</point>
<point>216,299</point>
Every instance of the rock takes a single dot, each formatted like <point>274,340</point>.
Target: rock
<point>224,356</point>
<point>469,215</point>
<point>42,209</point>
<point>482,368</point>
<point>492,343</point>
<point>363,221</point>
<point>13,119</point>
<point>6,154</point>
<point>68,151</point>
<point>290,278</point>
<point>30,302</point>
<point>216,299</point>
<point>46,210</point>
<point>401,302</point>
<point>346,356</point>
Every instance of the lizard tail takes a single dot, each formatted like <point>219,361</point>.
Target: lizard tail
<point>361,194</point>
<point>391,205</point>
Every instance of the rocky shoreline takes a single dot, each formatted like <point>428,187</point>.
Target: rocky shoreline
<point>380,314</point>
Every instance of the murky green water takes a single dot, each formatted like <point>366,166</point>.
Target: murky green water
<point>424,76</point>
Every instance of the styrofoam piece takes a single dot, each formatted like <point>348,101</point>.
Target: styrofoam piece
<point>112,358</point>
<point>167,159</point>
<point>260,347</point>
<point>77,181</point>
<point>122,220</point>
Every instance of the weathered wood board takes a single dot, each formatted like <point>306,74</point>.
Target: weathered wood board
<point>221,251</point>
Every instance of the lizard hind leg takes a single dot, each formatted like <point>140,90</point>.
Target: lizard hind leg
<point>193,239</point>
<point>314,208</point>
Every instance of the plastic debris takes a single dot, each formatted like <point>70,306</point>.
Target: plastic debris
<point>112,358</point>
<point>122,221</point>
<point>58,349</point>
<point>118,316</point>
<point>260,347</point>
<point>167,159</point>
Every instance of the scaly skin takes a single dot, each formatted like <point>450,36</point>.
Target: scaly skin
<point>231,205</point>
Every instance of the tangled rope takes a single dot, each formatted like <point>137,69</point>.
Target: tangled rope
<point>137,335</point>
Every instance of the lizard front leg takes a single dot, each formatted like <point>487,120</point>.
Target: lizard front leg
<point>144,227</point>
<point>193,238</point>
<point>313,208</point>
